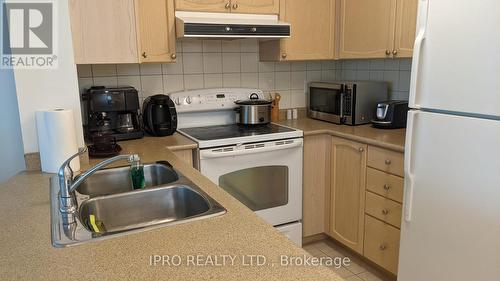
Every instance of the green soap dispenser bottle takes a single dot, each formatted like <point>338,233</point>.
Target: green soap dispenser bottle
<point>137,175</point>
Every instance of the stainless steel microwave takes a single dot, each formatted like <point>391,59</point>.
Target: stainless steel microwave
<point>345,102</point>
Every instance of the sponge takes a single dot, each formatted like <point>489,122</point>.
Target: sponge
<point>93,224</point>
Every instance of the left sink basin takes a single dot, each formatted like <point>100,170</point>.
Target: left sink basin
<point>116,209</point>
<point>118,180</point>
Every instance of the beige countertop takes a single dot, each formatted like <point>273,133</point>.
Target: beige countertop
<point>390,139</point>
<point>174,142</point>
<point>27,254</point>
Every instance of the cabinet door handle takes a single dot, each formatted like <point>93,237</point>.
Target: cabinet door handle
<point>382,247</point>
<point>173,56</point>
<point>387,52</point>
<point>235,6</point>
<point>388,162</point>
<point>387,187</point>
<point>361,149</point>
<point>144,55</point>
<point>228,5</point>
<point>394,52</point>
<point>283,55</point>
<point>385,212</point>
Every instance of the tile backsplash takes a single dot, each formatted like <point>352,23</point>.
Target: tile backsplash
<point>215,63</point>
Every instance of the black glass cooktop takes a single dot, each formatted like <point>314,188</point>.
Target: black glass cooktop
<point>233,131</point>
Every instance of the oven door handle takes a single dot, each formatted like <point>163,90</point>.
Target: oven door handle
<point>241,150</point>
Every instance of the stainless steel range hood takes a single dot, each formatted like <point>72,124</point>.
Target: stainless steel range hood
<point>229,25</point>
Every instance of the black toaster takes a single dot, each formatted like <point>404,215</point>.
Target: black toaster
<point>391,114</point>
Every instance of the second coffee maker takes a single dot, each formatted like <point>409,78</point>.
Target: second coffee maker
<point>159,116</point>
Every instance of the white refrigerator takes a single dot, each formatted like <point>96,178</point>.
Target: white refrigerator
<point>451,221</point>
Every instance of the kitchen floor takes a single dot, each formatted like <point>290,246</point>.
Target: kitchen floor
<point>358,270</point>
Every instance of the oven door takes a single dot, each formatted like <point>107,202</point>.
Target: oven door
<point>325,101</point>
<point>266,177</point>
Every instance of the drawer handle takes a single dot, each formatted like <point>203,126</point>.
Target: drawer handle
<point>385,212</point>
<point>388,162</point>
<point>382,247</point>
<point>387,187</point>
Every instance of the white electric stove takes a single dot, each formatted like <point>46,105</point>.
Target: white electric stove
<point>260,165</point>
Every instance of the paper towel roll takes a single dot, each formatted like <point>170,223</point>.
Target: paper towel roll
<point>56,139</point>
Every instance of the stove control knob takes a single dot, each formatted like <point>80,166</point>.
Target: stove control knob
<point>177,101</point>
<point>188,100</point>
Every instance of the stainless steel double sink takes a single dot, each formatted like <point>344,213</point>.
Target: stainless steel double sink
<point>169,198</point>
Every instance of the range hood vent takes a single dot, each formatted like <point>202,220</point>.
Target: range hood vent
<point>229,25</point>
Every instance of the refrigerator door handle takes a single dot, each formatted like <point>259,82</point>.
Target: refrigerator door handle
<point>419,39</point>
<point>408,200</point>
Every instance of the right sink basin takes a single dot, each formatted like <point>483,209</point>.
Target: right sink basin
<point>118,180</point>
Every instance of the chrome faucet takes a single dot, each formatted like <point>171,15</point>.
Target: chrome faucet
<point>68,184</point>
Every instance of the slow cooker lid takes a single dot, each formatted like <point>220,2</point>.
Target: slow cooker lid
<point>254,100</point>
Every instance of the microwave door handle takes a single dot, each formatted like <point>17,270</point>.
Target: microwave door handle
<point>342,101</point>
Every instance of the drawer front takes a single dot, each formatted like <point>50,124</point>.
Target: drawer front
<point>385,184</point>
<point>382,244</point>
<point>383,209</point>
<point>386,160</point>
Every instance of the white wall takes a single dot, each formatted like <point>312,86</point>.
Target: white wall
<point>39,89</point>
<point>11,142</point>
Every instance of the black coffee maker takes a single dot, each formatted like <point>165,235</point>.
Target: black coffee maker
<point>114,111</point>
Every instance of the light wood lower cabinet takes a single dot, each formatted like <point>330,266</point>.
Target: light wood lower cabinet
<point>311,34</point>
<point>316,183</point>
<point>385,184</point>
<point>352,195</point>
<point>382,244</point>
<point>383,209</point>
<point>386,160</point>
<point>347,192</point>
<point>185,155</point>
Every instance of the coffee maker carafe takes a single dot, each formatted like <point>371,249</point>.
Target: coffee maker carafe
<point>114,111</point>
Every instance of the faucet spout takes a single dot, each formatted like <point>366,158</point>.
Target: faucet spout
<point>68,184</point>
<point>131,158</point>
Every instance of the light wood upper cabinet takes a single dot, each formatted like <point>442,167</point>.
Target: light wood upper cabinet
<point>406,21</point>
<point>316,183</point>
<point>103,31</point>
<point>123,31</point>
<point>347,192</point>
<point>156,30</point>
<point>216,6</point>
<point>255,6</point>
<point>366,28</point>
<point>377,28</point>
<point>312,32</point>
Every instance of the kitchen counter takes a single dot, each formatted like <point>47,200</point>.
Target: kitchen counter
<point>174,142</point>
<point>389,139</point>
<point>27,253</point>
<point>149,147</point>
